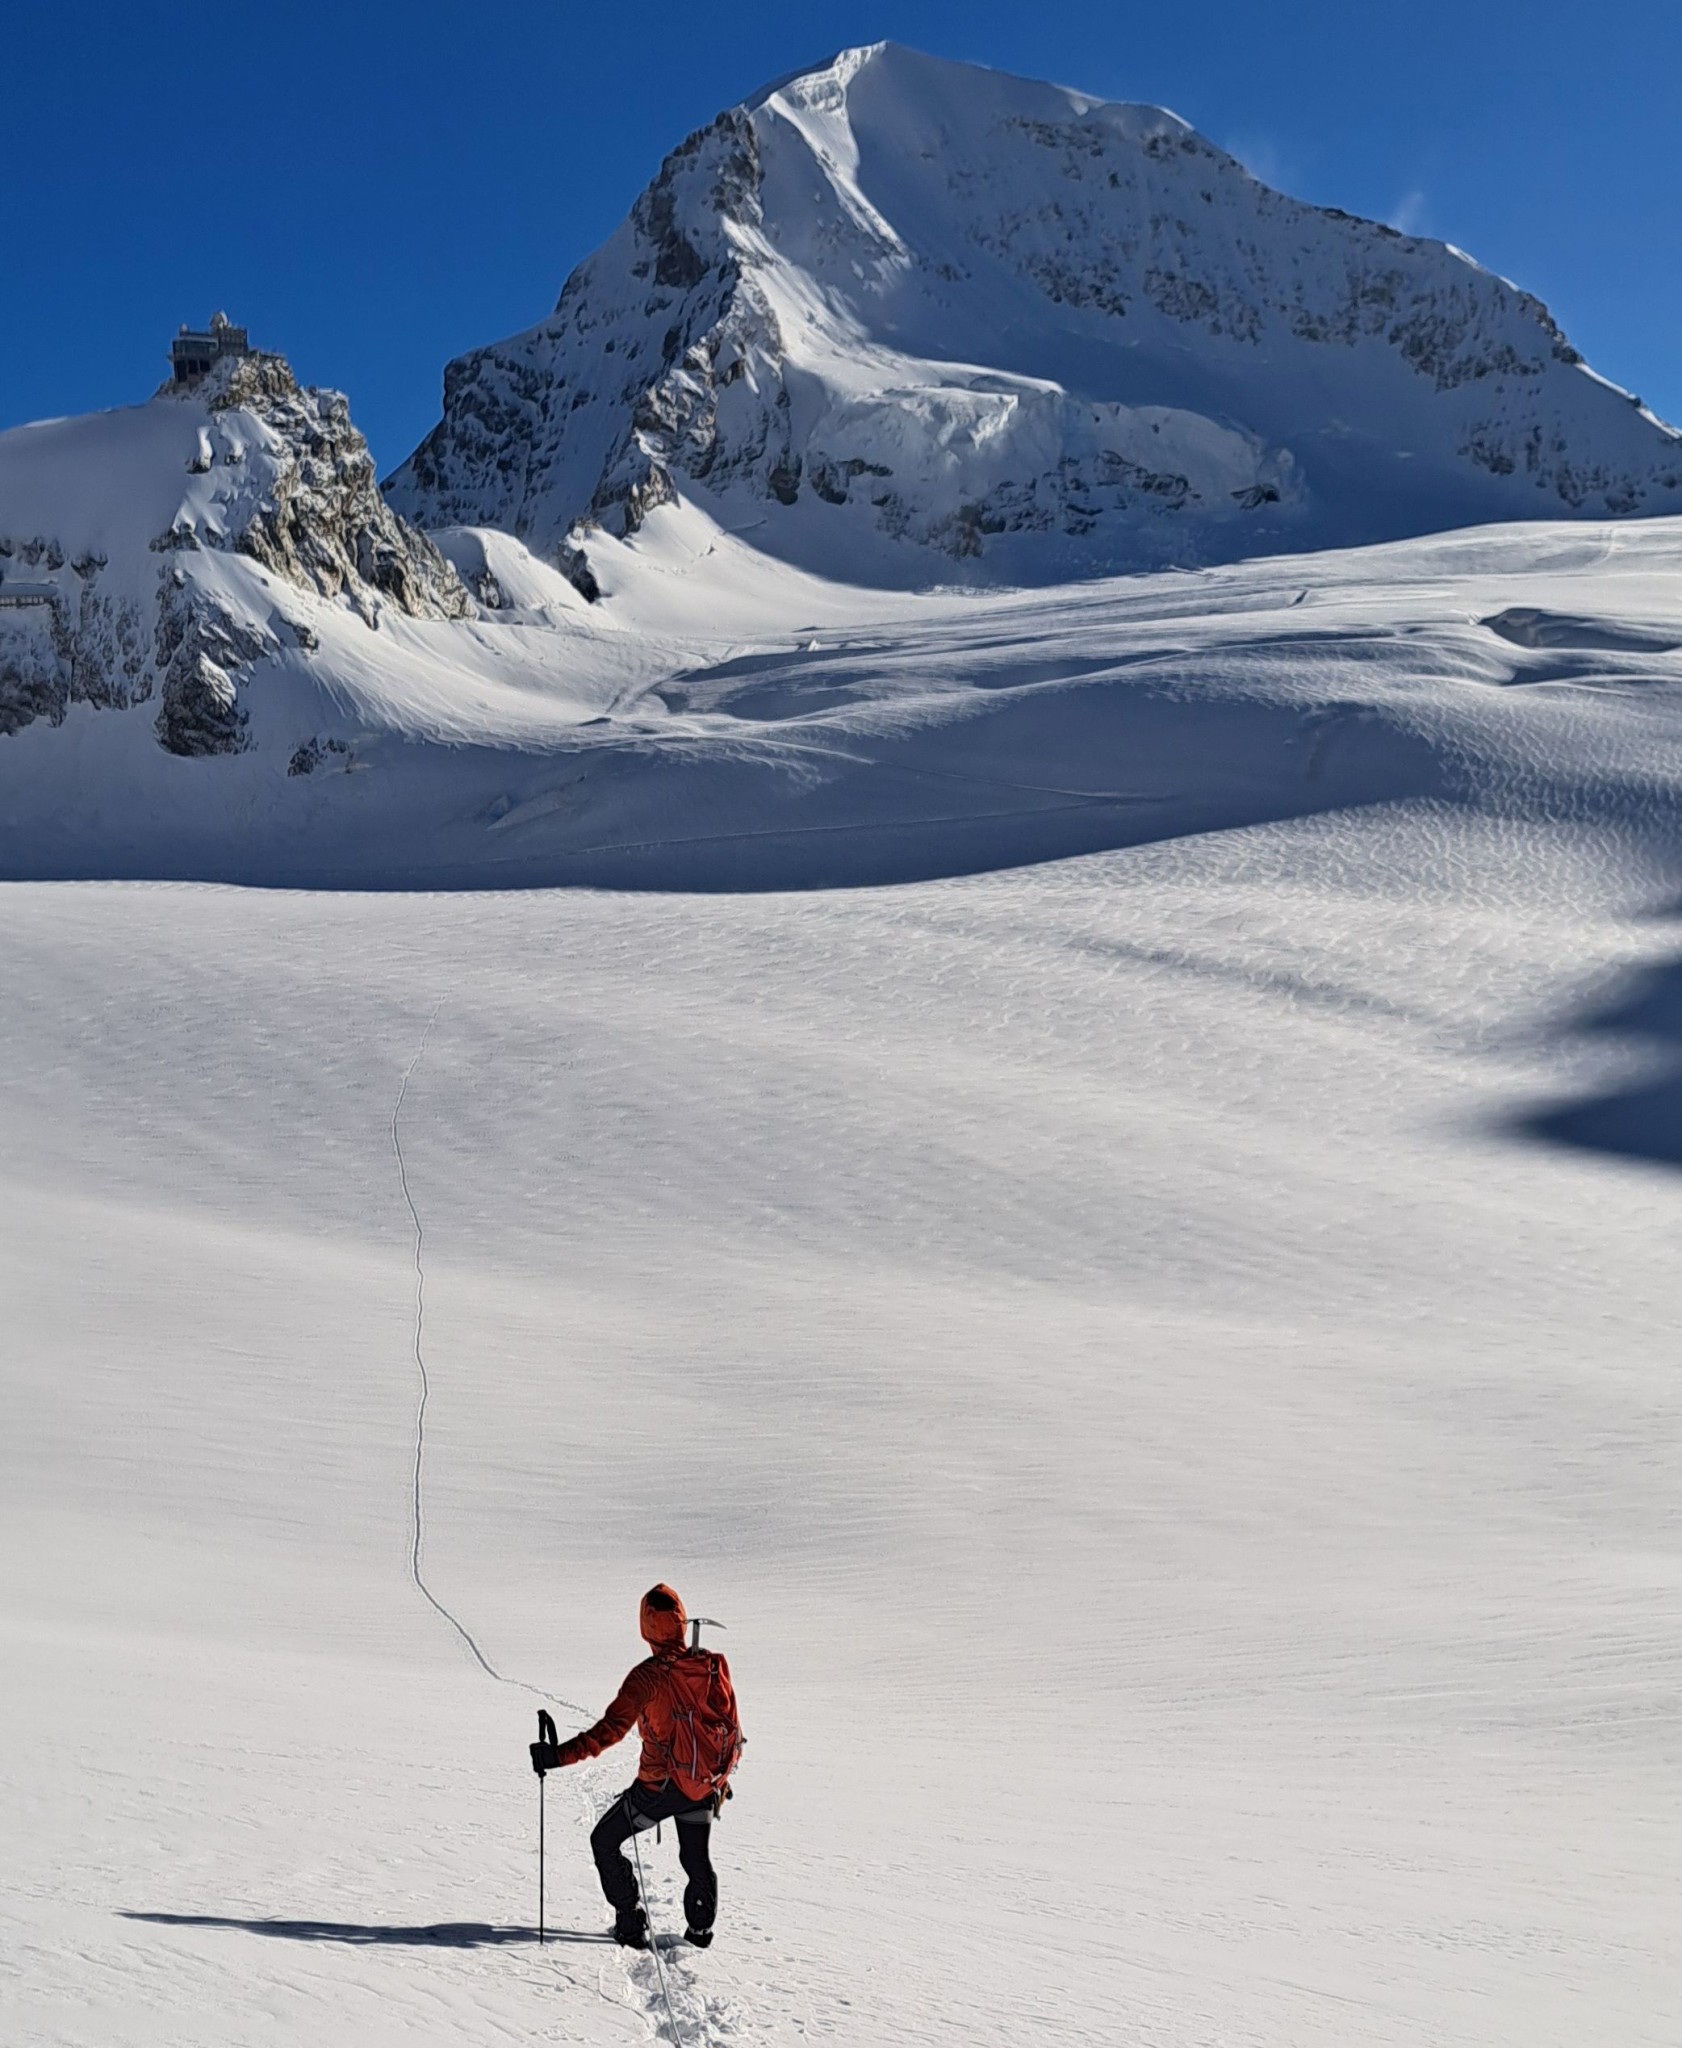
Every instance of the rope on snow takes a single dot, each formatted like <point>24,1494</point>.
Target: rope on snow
<point>418,1538</point>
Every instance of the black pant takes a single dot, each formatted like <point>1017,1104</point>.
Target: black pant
<point>637,1808</point>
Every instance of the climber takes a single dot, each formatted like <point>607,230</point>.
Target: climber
<point>685,1706</point>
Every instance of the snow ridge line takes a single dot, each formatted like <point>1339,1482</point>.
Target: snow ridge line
<point>417,1544</point>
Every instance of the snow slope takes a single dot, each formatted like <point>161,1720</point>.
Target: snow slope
<point>1191,1484</point>
<point>1161,1356</point>
<point>719,722</point>
<point>910,321</point>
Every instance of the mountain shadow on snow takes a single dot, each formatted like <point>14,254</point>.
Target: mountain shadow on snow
<point>1644,1119</point>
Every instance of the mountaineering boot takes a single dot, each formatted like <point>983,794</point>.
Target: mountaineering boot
<point>630,1928</point>
<point>699,1937</point>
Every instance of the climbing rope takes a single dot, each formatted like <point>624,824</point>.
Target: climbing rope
<point>654,1946</point>
<point>419,1514</point>
<point>418,1501</point>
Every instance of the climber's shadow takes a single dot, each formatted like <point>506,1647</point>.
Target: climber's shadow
<point>444,1934</point>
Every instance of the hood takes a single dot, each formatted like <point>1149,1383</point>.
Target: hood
<point>662,1620</point>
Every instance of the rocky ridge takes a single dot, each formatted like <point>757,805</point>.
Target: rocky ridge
<point>320,521</point>
<point>274,474</point>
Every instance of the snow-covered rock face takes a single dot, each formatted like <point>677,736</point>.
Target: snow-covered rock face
<point>313,512</point>
<point>128,539</point>
<point>924,321</point>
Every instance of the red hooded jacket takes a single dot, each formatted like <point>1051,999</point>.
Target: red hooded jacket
<point>648,1696</point>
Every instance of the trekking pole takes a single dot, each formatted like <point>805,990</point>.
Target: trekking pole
<point>545,1734</point>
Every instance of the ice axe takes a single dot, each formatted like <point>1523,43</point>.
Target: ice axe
<point>546,1741</point>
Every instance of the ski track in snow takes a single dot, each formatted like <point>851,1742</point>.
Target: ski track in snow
<point>415,1572</point>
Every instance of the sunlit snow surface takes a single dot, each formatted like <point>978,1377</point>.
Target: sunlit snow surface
<point>722,722</point>
<point>1186,1453</point>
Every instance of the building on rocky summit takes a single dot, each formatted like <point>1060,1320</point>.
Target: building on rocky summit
<point>192,354</point>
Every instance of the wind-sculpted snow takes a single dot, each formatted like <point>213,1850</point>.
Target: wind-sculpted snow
<point>168,549</point>
<point>910,321</point>
<point>718,722</point>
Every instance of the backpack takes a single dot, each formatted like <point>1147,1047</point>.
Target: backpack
<point>706,1741</point>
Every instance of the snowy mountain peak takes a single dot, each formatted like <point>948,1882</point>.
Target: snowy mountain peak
<point>919,320</point>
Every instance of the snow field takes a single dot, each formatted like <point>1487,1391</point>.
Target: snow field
<point>1190,1483</point>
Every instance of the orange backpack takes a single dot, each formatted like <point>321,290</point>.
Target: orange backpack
<point>706,1740</point>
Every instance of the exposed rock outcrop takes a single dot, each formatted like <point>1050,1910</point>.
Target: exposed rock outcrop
<point>320,520</point>
<point>83,644</point>
<point>202,652</point>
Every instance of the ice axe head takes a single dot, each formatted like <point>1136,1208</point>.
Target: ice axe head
<point>697,1622</point>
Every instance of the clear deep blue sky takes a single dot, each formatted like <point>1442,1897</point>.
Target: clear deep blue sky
<point>373,186</point>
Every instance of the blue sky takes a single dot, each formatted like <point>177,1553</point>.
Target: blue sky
<point>376,187</point>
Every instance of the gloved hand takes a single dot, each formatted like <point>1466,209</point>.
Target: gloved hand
<point>545,1751</point>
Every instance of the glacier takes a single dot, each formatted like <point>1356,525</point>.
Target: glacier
<point>1025,928</point>
<point>849,521</point>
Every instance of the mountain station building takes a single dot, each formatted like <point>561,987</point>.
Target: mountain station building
<point>192,355</point>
